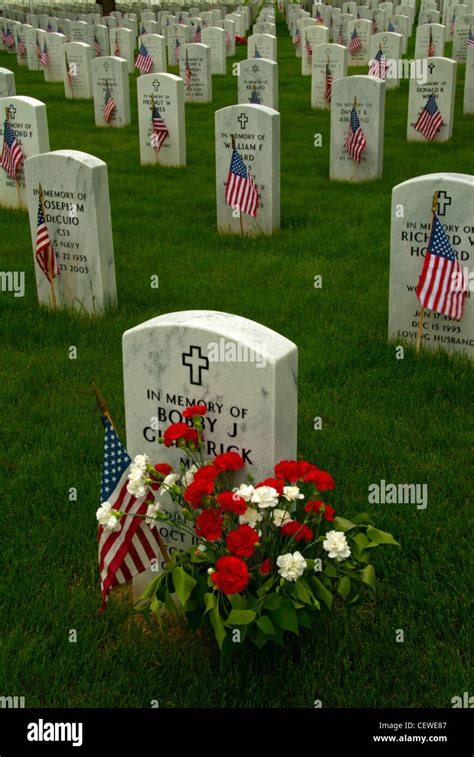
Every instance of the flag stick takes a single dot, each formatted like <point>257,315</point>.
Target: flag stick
<point>50,274</point>
<point>104,411</point>
<point>422,309</point>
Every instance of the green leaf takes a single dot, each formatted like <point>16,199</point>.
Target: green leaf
<point>266,625</point>
<point>285,616</point>
<point>272,602</point>
<point>368,576</point>
<point>151,588</point>
<point>169,604</point>
<point>210,601</point>
<point>341,524</point>
<point>330,570</point>
<point>240,617</point>
<point>218,626</point>
<point>183,584</point>
<point>380,537</point>
<point>344,586</point>
<point>323,593</point>
<point>155,607</point>
<point>265,587</point>
<point>302,593</point>
<point>358,544</point>
<point>361,518</point>
<point>237,601</point>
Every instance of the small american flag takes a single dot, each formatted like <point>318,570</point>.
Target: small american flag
<point>21,48</point>
<point>309,49</point>
<point>297,37</point>
<point>142,30</point>
<point>453,24</point>
<point>129,551</point>
<point>44,56</point>
<point>197,34</point>
<point>375,28</point>
<point>328,84</point>
<point>12,155</point>
<point>177,50</point>
<point>227,39</point>
<point>470,39</point>
<point>188,74</point>
<point>431,47</point>
<point>97,47</point>
<point>441,286</point>
<point>109,106</point>
<point>355,141</point>
<point>319,19</point>
<point>9,38</point>
<point>354,44</point>
<point>49,28</point>
<point>241,191</point>
<point>44,253</point>
<point>340,37</point>
<point>430,120</point>
<point>390,27</point>
<point>254,98</point>
<point>69,73</point>
<point>144,61</point>
<point>116,47</point>
<point>379,66</point>
<point>159,130</point>
<point>256,53</point>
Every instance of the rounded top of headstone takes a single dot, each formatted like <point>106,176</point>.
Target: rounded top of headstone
<point>82,157</point>
<point>232,327</point>
<point>461,177</point>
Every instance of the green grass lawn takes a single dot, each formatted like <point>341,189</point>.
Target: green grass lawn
<point>399,420</point>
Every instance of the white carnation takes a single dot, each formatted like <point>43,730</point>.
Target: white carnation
<point>168,481</point>
<point>103,513</point>
<point>292,493</point>
<point>188,477</point>
<point>245,491</point>
<point>291,566</point>
<point>113,524</point>
<point>280,517</point>
<point>136,486</point>
<point>336,545</point>
<point>139,463</point>
<point>251,516</point>
<point>265,496</point>
<point>151,512</point>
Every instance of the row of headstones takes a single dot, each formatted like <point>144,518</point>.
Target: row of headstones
<point>81,273</point>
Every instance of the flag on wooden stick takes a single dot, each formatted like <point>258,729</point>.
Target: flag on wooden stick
<point>12,155</point>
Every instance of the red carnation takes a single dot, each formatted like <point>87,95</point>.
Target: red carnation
<point>242,541</point>
<point>228,461</point>
<point>322,480</point>
<point>194,410</point>
<point>318,506</point>
<point>291,470</point>
<point>232,502</point>
<point>298,530</point>
<point>163,469</point>
<point>209,525</point>
<point>276,483</point>
<point>207,472</point>
<point>265,567</point>
<point>178,431</point>
<point>196,491</point>
<point>231,576</point>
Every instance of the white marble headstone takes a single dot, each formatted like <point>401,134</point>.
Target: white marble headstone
<point>464,25</point>
<point>165,92</point>
<point>329,64</point>
<point>77,214</point>
<point>229,27</point>
<point>195,70</point>
<point>7,83</point>
<point>245,373</point>
<point>256,133</point>
<point>441,83</point>
<point>29,124</point>
<point>422,40</point>
<point>390,44</point>
<point>214,37</point>
<point>310,37</point>
<point>367,95</point>
<point>156,47</point>
<point>258,82</point>
<point>468,102</point>
<point>410,235</point>
<point>77,70</point>
<point>363,29</point>
<point>262,46</point>
<point>110,74</point>
<point>54,69</point>
<point>122,43</point>
<point>34,39</point>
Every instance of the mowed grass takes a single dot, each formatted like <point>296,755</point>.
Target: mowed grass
<point>399,420</point>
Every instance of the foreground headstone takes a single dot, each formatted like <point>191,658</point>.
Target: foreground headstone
<point>111,90</point>
<point>7,83</point>
<point>27,120</point>
<point>329,64</point>
<point>468,102</point>
<point>77,70</point>
<point>195,71</point>
<point>410,234</point>
<point>431,104</point>
<point>71,188</point>
<point>262,46</point>
<point>245,373</point>
<point>248,169</point>
<point>161,119</point>
<point>258,82</point>
<point>357,128</point>
<point>429,41</point>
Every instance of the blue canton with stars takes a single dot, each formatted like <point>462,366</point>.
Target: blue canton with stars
<point>116,461</point>
<point>439,243</point>
<point>237,165</point>
<point>431,106</point>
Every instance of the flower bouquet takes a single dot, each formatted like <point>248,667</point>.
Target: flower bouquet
<point>266,556</point>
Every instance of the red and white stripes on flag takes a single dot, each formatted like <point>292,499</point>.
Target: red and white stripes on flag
<point>441,287</point>
<point>241,191</point>
<point>328,84</point>
<point>129,551</point>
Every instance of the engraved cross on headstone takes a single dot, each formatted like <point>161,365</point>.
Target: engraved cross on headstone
<point>197,363</point>
<point>156,85</point>
<point>431,67</point>
<point>107,66</point>
<point>242,119</point>
<point>443,202</point>
<point>11,111</point>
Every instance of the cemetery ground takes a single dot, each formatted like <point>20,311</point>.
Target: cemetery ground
<point>401,420</point>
